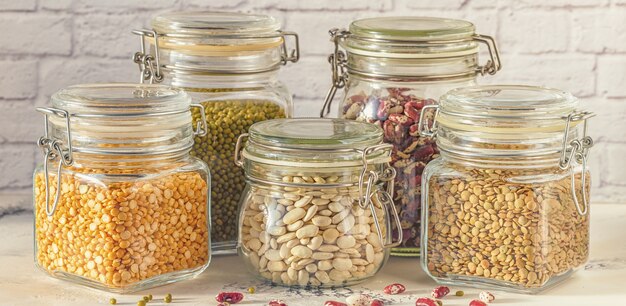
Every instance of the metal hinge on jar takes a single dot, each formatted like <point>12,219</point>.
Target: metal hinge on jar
<point>339,65</point>
<point>52,150</point>
<point>577,151</point>
<point>369,177</point>
<point>151,70</point>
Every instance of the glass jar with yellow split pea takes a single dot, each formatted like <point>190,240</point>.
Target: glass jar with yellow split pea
<point>229,63</point>
<point>120,205</point>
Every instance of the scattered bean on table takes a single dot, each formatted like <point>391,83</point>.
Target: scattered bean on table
<point>424,301</point>
<point>486,296</point>
<point>477,303</point>
<point>358,300</point>
<point>276,303</point>
<point>440,291</point>
<point>394,289</point>
<point>377,303</point>
<point>230,297</point>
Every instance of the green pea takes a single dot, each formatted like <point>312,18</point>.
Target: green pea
<point>113,301</point>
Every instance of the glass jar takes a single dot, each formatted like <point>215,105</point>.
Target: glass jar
<point>229,63</point>
<point>315,211</point>
<point>391,68</point>
<point>120,205</point>
<point>506,203</point>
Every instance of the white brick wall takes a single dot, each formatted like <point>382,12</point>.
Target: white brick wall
<point>576,45</point>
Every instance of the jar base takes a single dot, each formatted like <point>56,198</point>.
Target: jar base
<point>405,252</point>
<point>152,282</point>
<point>495,284</point>
<point>224,248</point>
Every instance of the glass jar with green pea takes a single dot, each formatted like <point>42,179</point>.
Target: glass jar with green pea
<point>229,63</point>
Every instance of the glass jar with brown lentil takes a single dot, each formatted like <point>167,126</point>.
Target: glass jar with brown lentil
<point>506,205</point>
<point>391,68</point>
<point>120,205</point>
<point>229,63</point>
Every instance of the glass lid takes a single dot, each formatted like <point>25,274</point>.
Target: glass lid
<point>516,105</point>
<point>123,119</point>
<point>511,121</point>
<point>120,99</point>
<point>314,142</point>
<point>412,28</point>
<point>214,23</point>
<point>316,133</point>
<point>411,37</point>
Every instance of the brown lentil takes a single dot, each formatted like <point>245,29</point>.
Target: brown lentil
<point>226,120</point>
<point>125,231</point>
<point>520,232</point>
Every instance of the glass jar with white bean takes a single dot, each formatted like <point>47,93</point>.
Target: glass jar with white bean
<point>317,209</point>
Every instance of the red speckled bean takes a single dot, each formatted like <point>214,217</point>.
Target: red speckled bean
<point>377,303</point>
<point>394,289</point>
<point>477,303</point>
<point>230,297</point>
<point>440,292</point>
<point>486,297</point>
<point>424,301</point>
<point>276,303</point>
<point>334,303</point>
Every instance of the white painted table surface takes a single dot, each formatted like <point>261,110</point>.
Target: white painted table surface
<point>601,282</point>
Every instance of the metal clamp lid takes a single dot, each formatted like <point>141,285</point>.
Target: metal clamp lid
<point>54,148</point>
<point>369,177</point>
<point>575,150</point>
<point>151,71</point>
<point>340,70</point>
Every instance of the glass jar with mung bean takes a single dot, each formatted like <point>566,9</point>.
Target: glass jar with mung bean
<point>507,202</point>
<point>317,209</point>
<point>120,205</point>
<point>229,63</point>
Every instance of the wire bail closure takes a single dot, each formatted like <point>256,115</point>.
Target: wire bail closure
<point>151,70</point>
<point>577,151</point>
<point>338,67</point>
<point>53,148</point>
<point>149,66</point>
<point>387,176</point>
<point>201,126</point>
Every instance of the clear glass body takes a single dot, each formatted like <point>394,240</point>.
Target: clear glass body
<point>502,206</point>
<point>228,62</point>
<point>508,228</point>
<point>395,106</point>
<point>310,236</point>
<point>125,226</point>
<point>232,104</point>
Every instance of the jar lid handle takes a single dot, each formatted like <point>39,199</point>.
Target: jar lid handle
<point>577,150</point>
<point>149,66</point>
<point>52,149</point>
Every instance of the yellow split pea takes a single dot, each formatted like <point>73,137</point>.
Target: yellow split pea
<point>119,233</point>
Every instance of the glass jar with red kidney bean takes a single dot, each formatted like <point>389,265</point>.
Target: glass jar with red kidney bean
<point>391,68</point>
